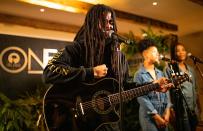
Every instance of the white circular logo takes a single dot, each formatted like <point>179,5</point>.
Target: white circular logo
<point>13,59</point>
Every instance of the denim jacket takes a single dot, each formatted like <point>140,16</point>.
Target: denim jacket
<point>154,102</point>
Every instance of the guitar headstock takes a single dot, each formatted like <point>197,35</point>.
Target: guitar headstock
<point>179,79</point>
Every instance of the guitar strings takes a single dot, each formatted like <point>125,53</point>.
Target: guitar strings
<point>114,97</point>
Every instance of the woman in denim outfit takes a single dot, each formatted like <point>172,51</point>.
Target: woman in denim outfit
<point>188,88</point>
<point>154,108</point>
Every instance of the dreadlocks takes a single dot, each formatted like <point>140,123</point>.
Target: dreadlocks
<point>91,34</point>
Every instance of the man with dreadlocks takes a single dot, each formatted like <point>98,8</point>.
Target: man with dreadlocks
<point>92,56</point>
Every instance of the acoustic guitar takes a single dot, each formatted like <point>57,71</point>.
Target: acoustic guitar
<point>82,106</point>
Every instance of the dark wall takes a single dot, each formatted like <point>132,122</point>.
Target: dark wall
<point>21,62</point>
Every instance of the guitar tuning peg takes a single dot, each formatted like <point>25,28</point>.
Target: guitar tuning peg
<point>173,74</point>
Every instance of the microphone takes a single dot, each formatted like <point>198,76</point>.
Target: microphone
<point>115,36</point>
<point>162,57</point>
<point>195,59</point>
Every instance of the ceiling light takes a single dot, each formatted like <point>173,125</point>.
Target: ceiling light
<point>55,5</point>
<point>42,10</point>
<point>154,3</point>
<point>90,1</point>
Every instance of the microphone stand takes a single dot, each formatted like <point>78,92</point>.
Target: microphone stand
<point>178,102</point>
<point>120,87</point>
<point>120,82</point>
<point>120,78</point>
<point>176,97</point>
<point>189,112</point>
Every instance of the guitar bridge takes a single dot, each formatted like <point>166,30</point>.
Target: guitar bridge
<point>81,108</point>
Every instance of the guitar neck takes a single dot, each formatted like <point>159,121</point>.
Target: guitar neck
<point>132,93</point>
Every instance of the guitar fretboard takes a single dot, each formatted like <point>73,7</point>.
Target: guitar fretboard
<point>132,93</point>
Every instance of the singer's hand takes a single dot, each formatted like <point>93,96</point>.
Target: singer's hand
<point>160,122</point>
<point>166,115</point>
<point>165,84</point>
<point>100,71</point>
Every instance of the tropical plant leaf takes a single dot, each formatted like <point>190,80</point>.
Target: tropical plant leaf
<point>22,113</point>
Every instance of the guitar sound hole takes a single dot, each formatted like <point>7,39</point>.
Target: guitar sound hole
<point>101,102</point>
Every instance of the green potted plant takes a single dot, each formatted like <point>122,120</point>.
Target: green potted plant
<point>24,113</point>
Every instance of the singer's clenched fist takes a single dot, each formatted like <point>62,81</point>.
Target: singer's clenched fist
<point>100,71</point>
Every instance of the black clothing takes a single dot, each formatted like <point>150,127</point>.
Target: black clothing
<point>66,65</point>
<point>69,65</point>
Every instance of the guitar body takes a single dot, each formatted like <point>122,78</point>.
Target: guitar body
<point>80,106</point>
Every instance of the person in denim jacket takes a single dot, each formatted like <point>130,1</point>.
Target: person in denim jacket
<point>154,111</point>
